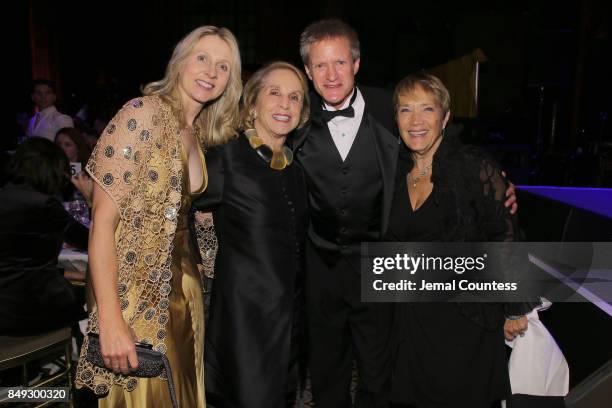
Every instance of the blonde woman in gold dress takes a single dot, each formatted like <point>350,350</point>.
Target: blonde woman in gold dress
<point>147,167</point>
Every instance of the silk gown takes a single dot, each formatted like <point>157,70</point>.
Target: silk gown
<point>185,327</point>
<point>253,330</point>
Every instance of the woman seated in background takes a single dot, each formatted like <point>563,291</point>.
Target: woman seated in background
<point>77,197</point>
<point>447,354</point>
<point>34,295</point>
<point>73,144</point>
<point>258,199</point>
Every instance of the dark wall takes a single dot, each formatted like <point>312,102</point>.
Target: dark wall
<point>121,45</point>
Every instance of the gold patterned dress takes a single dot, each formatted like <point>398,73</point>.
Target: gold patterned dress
<point>185,338</point>
<point>159,285</point>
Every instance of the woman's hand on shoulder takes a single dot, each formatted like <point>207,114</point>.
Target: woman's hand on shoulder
<point>510,196</point>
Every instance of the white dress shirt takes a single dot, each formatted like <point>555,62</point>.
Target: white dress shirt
<point>343,129</point>
<point>49,122</point>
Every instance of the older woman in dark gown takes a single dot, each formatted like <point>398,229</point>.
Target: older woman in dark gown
<point>258,199</point>
<point>447,354</point>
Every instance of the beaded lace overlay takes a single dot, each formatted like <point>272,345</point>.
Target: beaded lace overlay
<point>207,243</point>
<point>137,161</point>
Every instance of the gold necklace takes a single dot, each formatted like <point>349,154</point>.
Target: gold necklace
<point>277,160</point>
<point>422,173</point>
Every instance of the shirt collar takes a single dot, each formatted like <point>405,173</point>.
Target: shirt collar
<point>358,106</point>
<point>48,110</point>
<point>344,105</point>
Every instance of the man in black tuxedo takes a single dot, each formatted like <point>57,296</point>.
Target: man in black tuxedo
<point>349,152</point>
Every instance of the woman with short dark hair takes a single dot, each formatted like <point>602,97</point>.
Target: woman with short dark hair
<point>34,295</point>
<point>41,165</point>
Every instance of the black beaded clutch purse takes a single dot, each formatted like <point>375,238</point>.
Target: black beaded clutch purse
<point>151,363</point>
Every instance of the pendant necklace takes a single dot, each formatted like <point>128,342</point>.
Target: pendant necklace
<point>277,160</point>
<point>422,173</point>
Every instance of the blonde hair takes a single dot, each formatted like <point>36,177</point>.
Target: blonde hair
<point>218,120</point>
<point>426,82</point>
<point>257,82</point>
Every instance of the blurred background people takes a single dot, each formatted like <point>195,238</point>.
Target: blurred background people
<point>77,196</point>
<point>47,120</point>
<point>34,295</point>
<point>73,144</point>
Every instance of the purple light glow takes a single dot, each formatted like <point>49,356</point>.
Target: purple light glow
<point>596,200</point>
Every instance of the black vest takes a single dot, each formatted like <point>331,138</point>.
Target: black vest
<point>345,198</point>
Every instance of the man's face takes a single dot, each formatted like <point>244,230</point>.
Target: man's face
<point>332,70</point>
<point>43,96</point>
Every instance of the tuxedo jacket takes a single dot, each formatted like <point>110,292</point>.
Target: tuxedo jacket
<point>376,151</point>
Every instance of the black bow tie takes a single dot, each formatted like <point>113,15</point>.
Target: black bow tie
<point>349,111</point>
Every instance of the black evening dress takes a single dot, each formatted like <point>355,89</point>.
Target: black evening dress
<point>254,329</point>
<point>441,357</point>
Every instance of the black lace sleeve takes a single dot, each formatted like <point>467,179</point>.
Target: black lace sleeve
<point>497,224</point>
<point>495,220</point>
